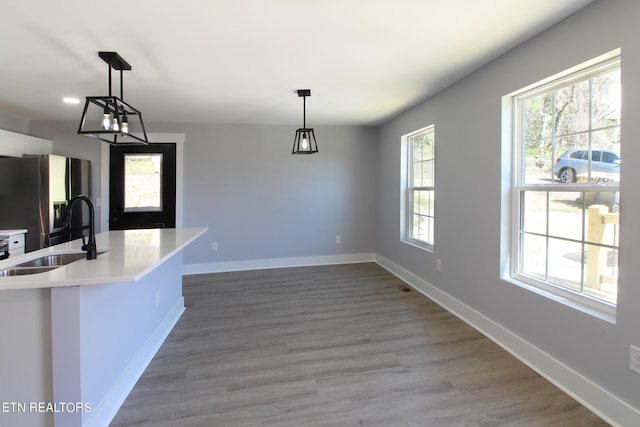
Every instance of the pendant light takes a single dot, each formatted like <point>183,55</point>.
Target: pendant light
<point>109,118</point>
<point>305,139</point>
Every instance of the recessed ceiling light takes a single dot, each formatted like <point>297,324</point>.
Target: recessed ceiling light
<point>69,100</point>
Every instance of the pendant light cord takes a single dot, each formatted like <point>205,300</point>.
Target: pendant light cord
<point>109,65</point>
<point>304,112</point>
<point>121,82</point>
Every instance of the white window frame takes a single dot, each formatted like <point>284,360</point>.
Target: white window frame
<point>407,191</point>
<point>597,307</point>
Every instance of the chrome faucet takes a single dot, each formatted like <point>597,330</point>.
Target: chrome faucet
<point>90,245</point>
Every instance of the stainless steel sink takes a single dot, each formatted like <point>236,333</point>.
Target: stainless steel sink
<point>21,271</point>
<point>55,260</point>
<point>43,264</point>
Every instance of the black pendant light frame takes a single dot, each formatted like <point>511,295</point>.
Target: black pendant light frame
<point>304,133</point>
<point>120,113</point>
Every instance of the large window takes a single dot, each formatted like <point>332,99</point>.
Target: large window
<point>419,191</point>
<point>566,186</point>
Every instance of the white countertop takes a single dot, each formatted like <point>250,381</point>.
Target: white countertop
<point>129,256</point>
<point>12,232</point>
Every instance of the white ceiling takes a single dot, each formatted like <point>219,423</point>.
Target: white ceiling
<point>241,61</point>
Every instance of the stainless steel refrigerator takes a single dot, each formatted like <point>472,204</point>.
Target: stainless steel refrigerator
<point>34,192</point>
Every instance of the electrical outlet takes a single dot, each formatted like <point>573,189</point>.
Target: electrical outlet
<point>438,265</point>
<point>157,298</point>
<point>214,246</point>
<point>634,359</point>
<point>338,240</point>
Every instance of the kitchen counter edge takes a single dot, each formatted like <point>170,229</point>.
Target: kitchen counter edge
<point>128,256</point>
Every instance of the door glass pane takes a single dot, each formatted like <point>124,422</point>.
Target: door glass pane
<point>142,182</point>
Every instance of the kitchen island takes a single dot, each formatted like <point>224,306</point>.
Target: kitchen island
<point>75,339</point>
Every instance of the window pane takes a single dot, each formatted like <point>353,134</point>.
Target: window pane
<point>538,117</point>
<point>606,96</point>
<point>572,161</point>
<point>422,160</point>
<point>417,203</point>
<point>423,202</point>
<point>423,174</point>
<point>601,273</point>
<point>539,162</point>
<point>565,215</point>
<point>534,256</point>
<point>422,145</point>
<point>535,211</point>
<point>602,223</point>
<point>565,263</point>
<point>142,181</point>
<point>607,139</point>
<point>423,228</point>
<point>572,112</point>
<point>422,218</point>
<point>605,167</point>
<point>416,174</point>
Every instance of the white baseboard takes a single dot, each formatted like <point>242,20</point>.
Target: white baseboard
<point>261,264</point>
<point>604,404</point>
<point>103,414</point>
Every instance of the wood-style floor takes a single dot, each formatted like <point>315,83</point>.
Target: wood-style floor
<point>346,345</point>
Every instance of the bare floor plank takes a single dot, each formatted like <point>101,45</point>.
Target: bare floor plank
<point>346,345</point>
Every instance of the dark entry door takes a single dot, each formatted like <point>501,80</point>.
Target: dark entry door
<point>142,186</point>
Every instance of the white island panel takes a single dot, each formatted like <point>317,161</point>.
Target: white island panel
<point>104,336</point>
<point>25,356</point>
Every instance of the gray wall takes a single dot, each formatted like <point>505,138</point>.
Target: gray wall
<point>261,202</point>
<point>13,124</point>
<point>467,117</point>
<point>258,200</point>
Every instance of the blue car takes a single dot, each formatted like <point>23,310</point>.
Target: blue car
<point>573,164</point>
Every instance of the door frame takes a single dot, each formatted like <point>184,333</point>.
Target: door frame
<point>171,138</point>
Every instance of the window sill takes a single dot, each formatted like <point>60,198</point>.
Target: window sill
<point>417,244</point>
<point>593,308</point>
